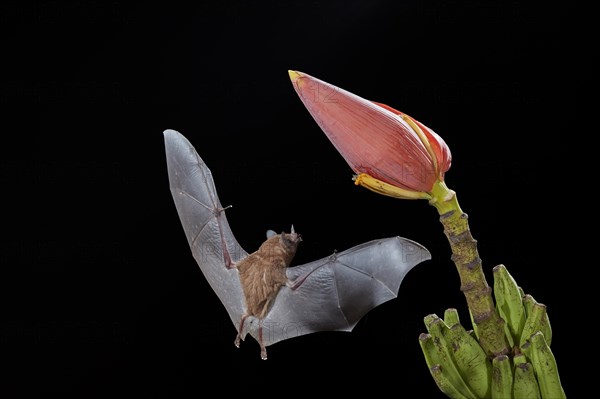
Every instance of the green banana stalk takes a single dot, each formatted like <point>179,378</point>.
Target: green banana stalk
<point>544,364</point>
<point>502,378</point>
<point>509,303</point>
<point>525,385</point>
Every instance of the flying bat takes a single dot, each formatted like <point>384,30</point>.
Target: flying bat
<point>263,295</point>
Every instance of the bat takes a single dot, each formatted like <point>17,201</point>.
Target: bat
<point>263,295</point>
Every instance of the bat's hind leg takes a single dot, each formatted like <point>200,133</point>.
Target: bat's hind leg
<point>240,331</point>
<point>263,349</point>
<point>238,338</point>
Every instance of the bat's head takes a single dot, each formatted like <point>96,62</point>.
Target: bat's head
<point>290,240</point>
<point>287,241</point>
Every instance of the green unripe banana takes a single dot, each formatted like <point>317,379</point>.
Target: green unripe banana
<point>502,377</point>
<point>519,359</point>
<point>431,356</point>
<point>475,330</point>
<point>528,302</point>
<point>544,365</point>
<point>525,385</point>
<point>470,359</point>
<point>444,384</point>
<point>463,370</point>
<point>537,320</point>
<point>509,303</point>
<point>451,317</point>
<point>439,374</point>
<point>443,354</point>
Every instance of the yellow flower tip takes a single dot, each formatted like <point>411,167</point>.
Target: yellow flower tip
<point>357,179</point>
<point>387,189</point>
<point>294,75</point>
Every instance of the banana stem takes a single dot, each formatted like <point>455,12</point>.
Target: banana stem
<point>488,324</point>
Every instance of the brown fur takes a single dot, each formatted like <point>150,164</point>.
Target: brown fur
<point>262,273</point>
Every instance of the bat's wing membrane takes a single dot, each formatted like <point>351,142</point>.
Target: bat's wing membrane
<point>334,293</point>
<point>203,219</point>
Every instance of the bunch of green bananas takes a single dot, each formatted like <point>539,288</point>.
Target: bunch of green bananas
<point>462,369</point>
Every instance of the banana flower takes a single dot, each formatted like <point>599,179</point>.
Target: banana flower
<point>390,152</point>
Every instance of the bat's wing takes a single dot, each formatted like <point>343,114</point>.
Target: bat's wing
<point>203,218</point>
<point>334,293</point>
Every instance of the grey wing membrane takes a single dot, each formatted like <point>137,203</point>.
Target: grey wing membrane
<point>334,293</point>
<point>203,219</point>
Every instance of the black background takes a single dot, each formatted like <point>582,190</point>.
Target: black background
<point>102,295</point>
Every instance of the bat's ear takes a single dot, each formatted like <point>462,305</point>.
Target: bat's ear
<point>271,233</point>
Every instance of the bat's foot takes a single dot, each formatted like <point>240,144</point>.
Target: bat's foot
<point>263,353</point>
<point>240,330</point>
